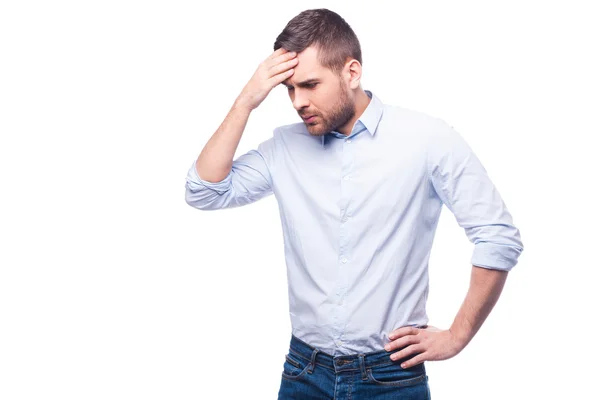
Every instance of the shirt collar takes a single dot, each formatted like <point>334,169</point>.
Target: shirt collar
<point>369,119</point>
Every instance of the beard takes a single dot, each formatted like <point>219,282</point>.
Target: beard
<point>342,112</point>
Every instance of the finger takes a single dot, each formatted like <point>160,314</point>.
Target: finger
<point>407,351</point>
<point>277,79</point>
<point>285,56</point>
<point>279,68</point>
<point>416,360</point>
<point>277,52</point>
<point>281,59</point>
<point>405,330</point>
<point>402,342</point>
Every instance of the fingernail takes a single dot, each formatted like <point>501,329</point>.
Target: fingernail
<point>387,348</point>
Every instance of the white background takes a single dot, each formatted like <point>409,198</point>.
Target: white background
<point>112,287</point>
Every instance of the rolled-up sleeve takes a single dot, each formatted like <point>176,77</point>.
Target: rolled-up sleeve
<point>249,180</point>
<point>463,185</point>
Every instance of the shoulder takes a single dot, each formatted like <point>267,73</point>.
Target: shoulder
<point>298,128</point>
<point>412,118</point>
<point>418,126</point>
<point>285,130</point>
<point>297,136</point>
<point>285,136</point>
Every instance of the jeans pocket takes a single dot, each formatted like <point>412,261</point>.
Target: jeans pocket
<point>394,375</point>
<point>294,366</point>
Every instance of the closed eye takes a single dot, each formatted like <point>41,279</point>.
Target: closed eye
<point>305,85</point>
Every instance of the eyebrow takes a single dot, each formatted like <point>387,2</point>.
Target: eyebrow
<point>304,83</point>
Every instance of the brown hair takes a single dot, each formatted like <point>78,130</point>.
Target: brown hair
<point>331,34</point>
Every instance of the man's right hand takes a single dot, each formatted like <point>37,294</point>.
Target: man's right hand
<point>271,72</point>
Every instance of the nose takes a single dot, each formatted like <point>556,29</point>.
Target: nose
<point>299,101</point>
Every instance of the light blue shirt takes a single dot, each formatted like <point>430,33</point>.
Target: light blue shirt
<point>359,214</point>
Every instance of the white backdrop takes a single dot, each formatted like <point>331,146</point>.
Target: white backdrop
<point>112,287</point>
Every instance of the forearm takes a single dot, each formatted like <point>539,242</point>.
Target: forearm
<point>215,160</point>
<point>484,291</point>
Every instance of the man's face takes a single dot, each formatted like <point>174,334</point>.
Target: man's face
<point>317,91</point>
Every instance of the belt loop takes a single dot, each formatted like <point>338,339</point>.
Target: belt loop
<point>313,360</point>
<point>361,361</point>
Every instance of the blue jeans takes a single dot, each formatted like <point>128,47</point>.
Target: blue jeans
<point>308,373</point>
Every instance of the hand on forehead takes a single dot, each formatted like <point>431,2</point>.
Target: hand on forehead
<point>307,69</point>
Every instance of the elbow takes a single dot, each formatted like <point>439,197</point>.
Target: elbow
<point>199,200</point>
<point>205,198</point>
<point>192,199</point>
<point>206,194</point>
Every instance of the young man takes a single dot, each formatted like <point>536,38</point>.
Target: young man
<point>360,187</point>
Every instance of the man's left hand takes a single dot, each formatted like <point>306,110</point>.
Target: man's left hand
<point>428,343</point>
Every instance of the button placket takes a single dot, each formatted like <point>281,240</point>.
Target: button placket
<point>344,257</point>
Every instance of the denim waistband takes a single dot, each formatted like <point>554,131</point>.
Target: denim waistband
<point>345,362</point>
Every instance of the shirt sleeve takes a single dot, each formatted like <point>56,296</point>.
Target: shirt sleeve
<point>248,181</point>
<point>462,183</point>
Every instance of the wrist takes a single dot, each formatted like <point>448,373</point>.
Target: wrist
<point>242,103</point>
<point>460,338</point>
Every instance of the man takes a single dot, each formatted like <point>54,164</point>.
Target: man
<point>360,186</point>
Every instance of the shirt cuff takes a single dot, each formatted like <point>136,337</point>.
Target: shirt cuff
<point>195,184</point>
<point>495,256</point>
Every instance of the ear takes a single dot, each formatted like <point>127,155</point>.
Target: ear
<point>353,73</point>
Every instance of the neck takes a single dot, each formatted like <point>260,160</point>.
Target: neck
<point>361,103</point>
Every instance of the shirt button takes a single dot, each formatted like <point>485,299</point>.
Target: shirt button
<point>347,177</point>
<point>338,343</point>
<point>349,141</point>
<point>344,260</point>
